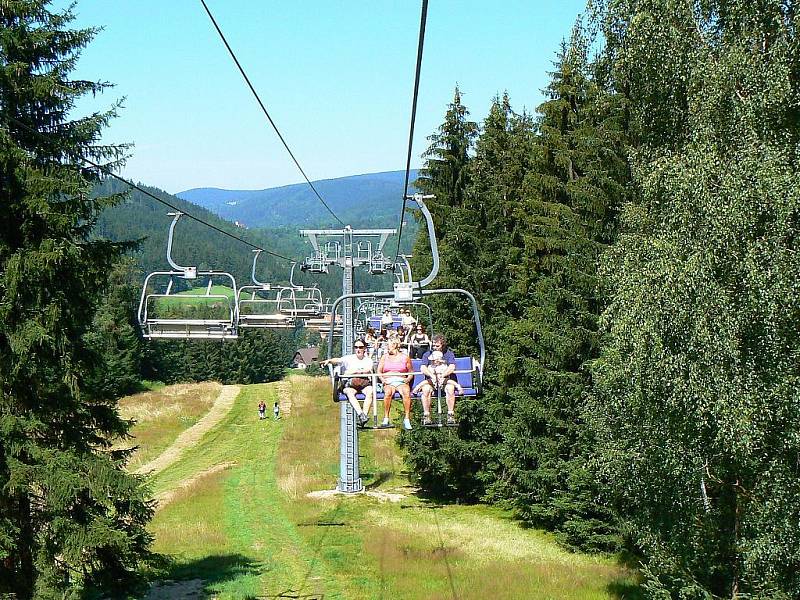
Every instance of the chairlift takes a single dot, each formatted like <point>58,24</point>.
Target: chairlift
<point>264,305</point>
<point>159,294</point>
<point>469,369</point>
<point>302,301</point>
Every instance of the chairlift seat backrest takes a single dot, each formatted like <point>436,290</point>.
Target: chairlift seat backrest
<point>466,364</point>
<point>375,322</point>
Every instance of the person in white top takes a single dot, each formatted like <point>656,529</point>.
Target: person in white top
<point>387,320</point>
<point>356,371</point>
<point>409,322</point>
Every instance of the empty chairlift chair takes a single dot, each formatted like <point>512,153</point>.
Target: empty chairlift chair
<point>165,311</point>
<point>263,305</point>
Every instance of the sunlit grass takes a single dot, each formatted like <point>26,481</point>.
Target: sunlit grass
<point>161,415</point>
<point>238,517</point>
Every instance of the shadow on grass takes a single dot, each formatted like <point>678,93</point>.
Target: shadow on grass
<point>214,569</point>
<point>627,588</point>
<point>381,478</point>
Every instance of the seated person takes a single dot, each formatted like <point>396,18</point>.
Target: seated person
<point>354,365</point>
<point>396,374</point>
<point>419,342</point>
<point>370,340</point>
<point>439,343</point>
<point>440,378</point>
<point>408,320</point>
<point>387,320</point>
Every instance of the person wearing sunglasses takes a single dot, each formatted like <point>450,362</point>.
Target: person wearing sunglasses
<point>356,373</point>
<point>419,342</point>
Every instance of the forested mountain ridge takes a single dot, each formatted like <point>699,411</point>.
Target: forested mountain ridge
<point>139,217</point>
<point>369,200</point>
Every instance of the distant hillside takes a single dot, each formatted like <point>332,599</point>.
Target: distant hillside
<point>140,217</point>
<point>371,200</point>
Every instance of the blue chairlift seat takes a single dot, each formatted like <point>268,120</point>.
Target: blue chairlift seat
<point>466,373</point>
<point>375,322</point>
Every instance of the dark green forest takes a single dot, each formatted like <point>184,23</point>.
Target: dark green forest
<point>633,248</point>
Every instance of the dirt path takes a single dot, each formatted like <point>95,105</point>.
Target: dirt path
<point>222,405</point>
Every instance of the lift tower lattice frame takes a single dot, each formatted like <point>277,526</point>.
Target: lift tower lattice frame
<point>348,248</point>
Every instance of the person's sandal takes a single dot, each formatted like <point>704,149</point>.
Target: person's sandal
<point>426,421</point>
<point>451,419</point>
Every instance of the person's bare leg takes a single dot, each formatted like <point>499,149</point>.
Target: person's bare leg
<point>426,400</point>
<point>450,397</point>
<point>351,398</point>
<point>405,391</point>
<point>388,395</point>
<point>369,396</point>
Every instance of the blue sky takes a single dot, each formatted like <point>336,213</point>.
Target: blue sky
<point>336,76</point>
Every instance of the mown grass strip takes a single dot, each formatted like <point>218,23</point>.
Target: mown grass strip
<point>418,549</point>
<point>229,528</point>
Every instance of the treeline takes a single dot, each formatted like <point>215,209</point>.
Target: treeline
<point>136,216</point>
<point>633,248</point>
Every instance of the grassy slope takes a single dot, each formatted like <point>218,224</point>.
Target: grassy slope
<point>249,530</point>
<point>162,414</point>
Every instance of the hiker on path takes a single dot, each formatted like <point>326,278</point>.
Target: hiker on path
<point>276,410</point>
<point>262,410</point>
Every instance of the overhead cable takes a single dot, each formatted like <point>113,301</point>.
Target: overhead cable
<point>266,113</point>
<point>420,46</point>
<point>154,197</point>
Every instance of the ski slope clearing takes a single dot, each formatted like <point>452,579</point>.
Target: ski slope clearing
<point>236,514</point>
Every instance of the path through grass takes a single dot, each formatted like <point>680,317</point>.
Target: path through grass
<point>162,414</point>
<point>240,520</point>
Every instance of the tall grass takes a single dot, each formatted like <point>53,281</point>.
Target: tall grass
<point>161,415</point>
<point>241,521</point>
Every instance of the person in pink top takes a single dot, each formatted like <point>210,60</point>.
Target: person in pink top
<point>396,373</point>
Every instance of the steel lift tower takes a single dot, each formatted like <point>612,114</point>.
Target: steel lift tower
<point>347,248</point>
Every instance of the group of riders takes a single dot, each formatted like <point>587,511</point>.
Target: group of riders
<point>395,374</point>
<point>411,335</point>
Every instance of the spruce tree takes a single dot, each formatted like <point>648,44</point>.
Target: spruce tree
<point>71,518</point>
<point>445,176</point>
<point>571,194</point>
<point>479,245</point>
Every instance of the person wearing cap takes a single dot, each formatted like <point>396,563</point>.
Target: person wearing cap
<point>356,373</point>
<point>446,374</point>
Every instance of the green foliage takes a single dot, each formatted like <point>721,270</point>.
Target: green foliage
<point>257,356</point>
<point>571,192</point>
<point>114,336</point>
<point>536,205</point>
<point>696,406</point>
<point>70,517</point>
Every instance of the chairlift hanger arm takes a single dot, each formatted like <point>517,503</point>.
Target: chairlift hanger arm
<point>253,274</point>
<point>187,272</point>
<point>420,200</point>
<point>475,315</point>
